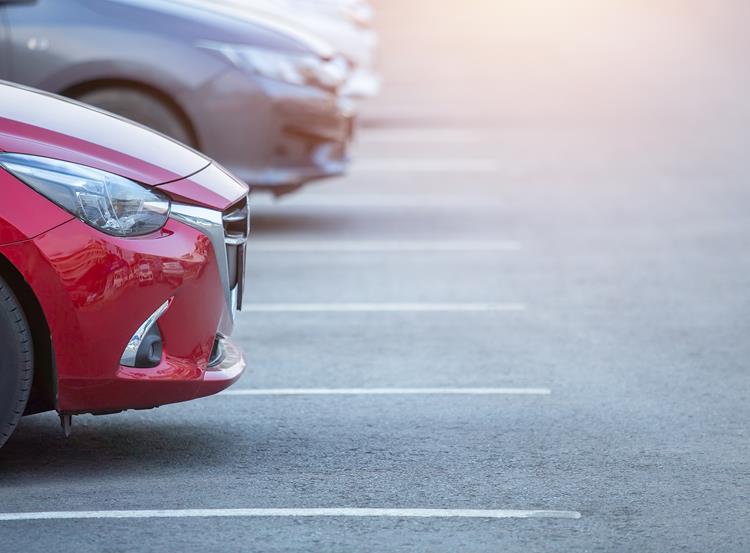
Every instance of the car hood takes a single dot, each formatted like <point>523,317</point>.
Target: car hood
<point>37,123</point>
<point>332,34</point>
<point>217,21</point>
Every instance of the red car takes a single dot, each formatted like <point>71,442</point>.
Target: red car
<point>122,257</point>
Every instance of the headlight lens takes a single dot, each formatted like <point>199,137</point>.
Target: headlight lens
<point>107,202</point>
<point>282,66</point>
<point>360,12</point>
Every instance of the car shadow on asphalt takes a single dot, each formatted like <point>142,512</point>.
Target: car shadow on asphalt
<point>330,223</point>
<point>122,446</point>
<point>276,224</point>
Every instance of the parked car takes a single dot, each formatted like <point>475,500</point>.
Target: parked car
<point>259,96</point>
<point>345,24</point>
<point>359,12</point>
<point>121,263</point>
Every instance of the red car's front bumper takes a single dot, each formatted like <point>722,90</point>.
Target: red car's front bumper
<point>96,290</point>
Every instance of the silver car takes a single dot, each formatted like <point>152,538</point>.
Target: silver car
<point>260,97</point>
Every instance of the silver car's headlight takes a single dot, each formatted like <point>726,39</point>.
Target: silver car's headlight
<point>299,69</point>
<point>109,203</point>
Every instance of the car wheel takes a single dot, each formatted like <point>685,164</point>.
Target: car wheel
<point>142,108</point>
<point>16,361</point>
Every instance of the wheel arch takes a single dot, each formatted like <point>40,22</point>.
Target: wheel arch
<point>84,87</point>
<point>44,388</point>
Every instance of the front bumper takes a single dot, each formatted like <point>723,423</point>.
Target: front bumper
<point>221,376</point>
<point>272,134</point>
<point>364,83</point>
<point>95,290</point>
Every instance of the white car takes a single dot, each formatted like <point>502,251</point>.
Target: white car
<point>344,24</point>
<point>359,12</point>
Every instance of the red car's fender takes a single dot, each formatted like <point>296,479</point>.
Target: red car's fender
<point>24,214</point>
<point>96,292</point>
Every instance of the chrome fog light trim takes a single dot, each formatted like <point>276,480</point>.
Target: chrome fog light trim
<point>128,358</point>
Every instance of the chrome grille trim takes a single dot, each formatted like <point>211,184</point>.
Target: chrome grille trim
<point>236,222</point>
<point>228,233</point>
<point>210,223</point>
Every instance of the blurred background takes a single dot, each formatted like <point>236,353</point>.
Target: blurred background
<point>581,63</point>
<point>622,104</point>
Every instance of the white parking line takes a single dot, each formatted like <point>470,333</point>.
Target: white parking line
<point>326,512</point>
<point>389,392</point>
<point>426,165</point>
<point>379,246</point>
<point>414,113</point>
<point>377,200</point>
<point>419,136</point>
<point>380,307</point>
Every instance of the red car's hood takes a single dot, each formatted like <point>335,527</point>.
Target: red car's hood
<point>36,123</point>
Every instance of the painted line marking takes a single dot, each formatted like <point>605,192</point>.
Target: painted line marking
<point>322,512</point>
<point>412,113</point>
<point>381,307</point>
<point>376,246</point>
<point>389,392</point>
<point>376,200</point>
<point>426,165</point>
<point>417,136</point>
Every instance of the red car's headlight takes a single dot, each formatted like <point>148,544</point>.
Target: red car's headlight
<point>108,202</point>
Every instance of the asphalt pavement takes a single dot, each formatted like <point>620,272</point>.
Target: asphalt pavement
<point>529,298</point>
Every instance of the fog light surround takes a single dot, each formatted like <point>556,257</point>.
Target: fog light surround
<point>145,345</point>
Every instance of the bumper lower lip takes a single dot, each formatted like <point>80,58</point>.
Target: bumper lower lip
<point>226,373</point>
<point>295,176</point>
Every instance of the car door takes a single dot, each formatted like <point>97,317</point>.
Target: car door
<point>31,30</point>
<point>4,45</point>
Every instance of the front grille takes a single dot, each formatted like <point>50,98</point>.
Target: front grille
<point>236,222</point>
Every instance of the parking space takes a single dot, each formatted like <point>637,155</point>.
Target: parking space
<point>495,334</point>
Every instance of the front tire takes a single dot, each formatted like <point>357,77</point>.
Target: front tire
<point>16,361</point>
<point>142,108</point>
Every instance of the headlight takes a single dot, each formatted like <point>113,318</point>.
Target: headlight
<point>360,12</point>
<point>107,202</point>
<point>299,69</point>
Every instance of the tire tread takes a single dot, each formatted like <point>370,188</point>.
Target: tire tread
<point>20,327</point>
